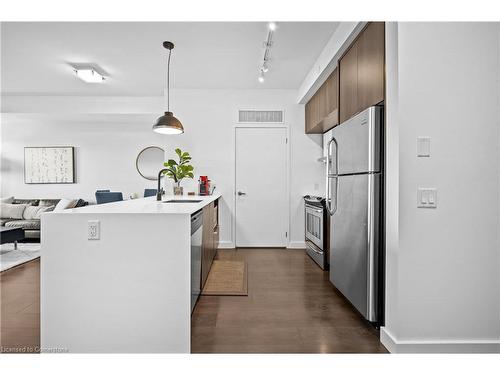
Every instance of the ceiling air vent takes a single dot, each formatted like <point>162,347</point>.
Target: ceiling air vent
<point>260,116</point>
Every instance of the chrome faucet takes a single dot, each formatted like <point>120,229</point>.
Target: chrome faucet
<point>160,191</point>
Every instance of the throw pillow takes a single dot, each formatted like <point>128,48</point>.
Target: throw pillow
<point>12,211</point>
<point>64,204</point>
<point>7,200</point>
<point>34,212</point>
<point>43,209</point>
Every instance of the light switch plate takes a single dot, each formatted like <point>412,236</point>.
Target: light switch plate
<point>94,230</point>
<point>427,198</point>
<point>423,147</point>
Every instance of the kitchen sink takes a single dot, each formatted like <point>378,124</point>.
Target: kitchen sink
<point>182,201</point>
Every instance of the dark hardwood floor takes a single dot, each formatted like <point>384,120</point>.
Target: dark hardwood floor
<point>291,308</point>
<point>20,309</point>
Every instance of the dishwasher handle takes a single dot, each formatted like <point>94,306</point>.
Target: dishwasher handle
<point>196,221</point>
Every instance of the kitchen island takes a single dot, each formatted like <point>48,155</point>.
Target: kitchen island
<point>127,291</point>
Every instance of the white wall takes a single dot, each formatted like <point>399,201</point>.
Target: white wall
<point>108,133</point>
<point>443,270</point>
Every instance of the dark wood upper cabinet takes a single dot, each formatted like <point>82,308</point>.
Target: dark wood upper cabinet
<point>312,114</point>
<point>321,111</point>
<point>356,84</point>
<point>371,58</point>
<point>332,92</point>
<point>348,83</point>
<point>361,72</point>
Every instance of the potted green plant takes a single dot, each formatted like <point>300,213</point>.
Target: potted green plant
<point>179,170</point>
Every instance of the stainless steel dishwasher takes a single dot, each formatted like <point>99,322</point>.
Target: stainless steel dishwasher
<point>196,241</point>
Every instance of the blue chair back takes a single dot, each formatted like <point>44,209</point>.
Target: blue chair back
<point>108,196</point>
<point>150,192</point>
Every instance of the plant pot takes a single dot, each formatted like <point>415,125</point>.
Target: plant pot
<point>178,190</point>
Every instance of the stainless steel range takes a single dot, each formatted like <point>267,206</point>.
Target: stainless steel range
<point>316,230</point>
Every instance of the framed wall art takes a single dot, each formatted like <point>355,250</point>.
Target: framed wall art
<point>49,165</point>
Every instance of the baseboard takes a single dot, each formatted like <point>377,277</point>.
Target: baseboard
<point>296,245</point>
<point>434,346</point>
<point>226,245</point>
<point>291,245</point>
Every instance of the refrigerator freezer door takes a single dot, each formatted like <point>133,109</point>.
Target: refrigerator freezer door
<point>358,143</point>
<point>354,241</point>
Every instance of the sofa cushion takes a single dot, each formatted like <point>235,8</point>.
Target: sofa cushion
<point>48,202</point>
<point>31,202</point>
<point>25,224</point>
<point>12,211</point>
<point>7,200</point>
<point>64,203</point>
<point>34,212</point>
<point>3,221</point>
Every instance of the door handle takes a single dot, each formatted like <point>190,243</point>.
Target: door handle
<point>241,193</point>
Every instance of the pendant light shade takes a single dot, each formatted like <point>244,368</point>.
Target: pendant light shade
<point>168,124</point>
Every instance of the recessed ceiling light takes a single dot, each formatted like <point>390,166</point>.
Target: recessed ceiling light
<point>89,75</point>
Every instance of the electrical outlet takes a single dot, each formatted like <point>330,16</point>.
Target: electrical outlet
<point>94,230</point>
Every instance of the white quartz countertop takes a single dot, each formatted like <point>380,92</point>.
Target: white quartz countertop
<point>149,205</point>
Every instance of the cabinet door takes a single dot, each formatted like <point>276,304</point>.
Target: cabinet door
<point>312,114</point>
<point>308,116</point>
<point>371,58</point>
<point>331,118</point>
<point>332,92</point>
<point>348,83</point>
<point>207,243</point>
<point>323,105</point>
<point>216,227</point>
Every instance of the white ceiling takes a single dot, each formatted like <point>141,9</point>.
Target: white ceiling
<point>36,57</point>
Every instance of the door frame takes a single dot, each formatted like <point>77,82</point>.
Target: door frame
<point>287,181</point>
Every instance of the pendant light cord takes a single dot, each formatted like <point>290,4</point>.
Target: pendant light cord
<point>168,80</point>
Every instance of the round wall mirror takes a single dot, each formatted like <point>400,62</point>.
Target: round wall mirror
<point>149,162</point>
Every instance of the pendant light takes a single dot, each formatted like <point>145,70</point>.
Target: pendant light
<point>168,124</point>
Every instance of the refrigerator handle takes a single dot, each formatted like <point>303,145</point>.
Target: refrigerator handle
<point>328,157</point>
<point>336,172</point>
<point>336,194</point>
<point>328,198</point>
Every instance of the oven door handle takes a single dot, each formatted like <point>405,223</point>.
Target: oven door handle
<point>311,247</point>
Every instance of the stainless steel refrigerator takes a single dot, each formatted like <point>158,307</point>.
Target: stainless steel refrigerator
<point>353,199</point>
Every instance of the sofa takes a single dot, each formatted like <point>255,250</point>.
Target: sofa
<point>29,217</point>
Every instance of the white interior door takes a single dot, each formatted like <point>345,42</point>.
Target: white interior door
<point>261,187</point>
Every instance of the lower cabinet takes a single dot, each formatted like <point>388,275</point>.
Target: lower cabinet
<point>210,238</point>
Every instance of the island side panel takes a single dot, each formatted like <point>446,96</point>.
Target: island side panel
<point>127,292</point>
